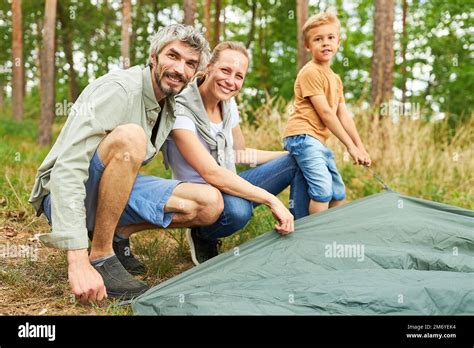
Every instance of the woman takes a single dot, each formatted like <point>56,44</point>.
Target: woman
<point>206,142</point>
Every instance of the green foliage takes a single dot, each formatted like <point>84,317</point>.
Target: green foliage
<point>439,69</point>
<point>439,43</point>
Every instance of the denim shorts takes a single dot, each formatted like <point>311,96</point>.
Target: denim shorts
<point>316,162</point>
<point>145,204</point>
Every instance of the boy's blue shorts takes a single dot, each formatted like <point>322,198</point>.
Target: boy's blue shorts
<point>145,204</point>
<point>316,162</point>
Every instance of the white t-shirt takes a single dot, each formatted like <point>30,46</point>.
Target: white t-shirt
<point>180,168</point>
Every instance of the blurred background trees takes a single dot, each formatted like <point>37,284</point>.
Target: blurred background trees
<point>412,55</point>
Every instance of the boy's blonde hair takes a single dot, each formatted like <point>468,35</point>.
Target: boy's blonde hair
<point>318,20</point>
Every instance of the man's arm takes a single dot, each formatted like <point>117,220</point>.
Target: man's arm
<point>102,110</point>
<point>331,121</point>
<point>348,124</point>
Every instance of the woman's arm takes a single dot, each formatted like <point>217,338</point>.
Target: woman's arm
<point>226,181</point>
<point>245,155</point>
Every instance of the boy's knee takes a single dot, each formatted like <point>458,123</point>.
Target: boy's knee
<point>322,193</point>
<point>339,191</point>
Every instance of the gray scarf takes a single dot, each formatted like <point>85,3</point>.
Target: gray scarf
<point>189,104</point>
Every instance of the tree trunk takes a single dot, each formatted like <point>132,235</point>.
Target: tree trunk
<point>47,91</point>
<point>301,18</point>
<point>2,95</point>
<point>156,22</point>
<point>136,21</point>
<point>17,60</point>
<point>383,55</point>
<point>67,44</point>
<point>189,12</point>
<point>389,54</point>
<point>39,43</point>
<point>404,49</point>
<point>207,19</point>
<point>126,29</point>
<point>223,22</point>
<point>251,35</point>
<point>106,11</point>
<point>217,15</point>
<point>263,64</point>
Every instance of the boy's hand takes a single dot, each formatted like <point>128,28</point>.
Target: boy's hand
<point>357,155</point>
<point>367,160</point>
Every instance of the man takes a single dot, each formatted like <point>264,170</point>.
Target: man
<point>89,183</point>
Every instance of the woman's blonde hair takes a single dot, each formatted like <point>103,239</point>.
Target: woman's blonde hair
<point>228,45</point>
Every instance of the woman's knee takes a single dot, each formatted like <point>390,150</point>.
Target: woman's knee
<point>238,212</point>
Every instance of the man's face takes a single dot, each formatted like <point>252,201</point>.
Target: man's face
<point>175,65</point>
<point>323,42</point>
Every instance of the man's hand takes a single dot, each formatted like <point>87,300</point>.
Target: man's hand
<point>86,283</point>
<point>285,219</point>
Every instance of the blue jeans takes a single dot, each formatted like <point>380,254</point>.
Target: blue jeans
<point>273,176</point>
<point>316,162</point>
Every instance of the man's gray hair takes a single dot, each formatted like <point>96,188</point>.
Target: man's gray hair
<point>184,33</point>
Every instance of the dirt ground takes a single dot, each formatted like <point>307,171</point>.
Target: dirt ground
<point>33,278</point>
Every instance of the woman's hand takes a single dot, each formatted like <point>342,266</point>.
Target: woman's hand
<point>285,219</point>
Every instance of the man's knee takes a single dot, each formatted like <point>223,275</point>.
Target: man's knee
<point>211,205</point>
<point>126,143</point>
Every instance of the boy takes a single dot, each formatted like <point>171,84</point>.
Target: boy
<point>320,110</point>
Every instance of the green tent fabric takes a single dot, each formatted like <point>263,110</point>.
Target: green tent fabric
<point>383,254</point>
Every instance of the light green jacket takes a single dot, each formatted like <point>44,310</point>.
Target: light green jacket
<point>120,97</point>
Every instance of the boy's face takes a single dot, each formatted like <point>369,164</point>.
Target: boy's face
<point>323,42</point>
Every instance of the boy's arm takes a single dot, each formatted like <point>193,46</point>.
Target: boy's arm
<point>331,121</point>
<point>348,123</point>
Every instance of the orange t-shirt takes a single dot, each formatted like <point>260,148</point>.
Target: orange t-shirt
<point>313,80</point>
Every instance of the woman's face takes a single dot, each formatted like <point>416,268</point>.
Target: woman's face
<point>226,76</point>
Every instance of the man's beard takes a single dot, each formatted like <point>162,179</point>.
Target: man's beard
<point>169,92</point>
